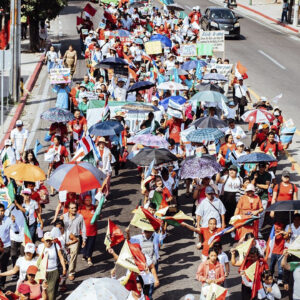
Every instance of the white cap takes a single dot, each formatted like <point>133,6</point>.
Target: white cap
<point>48,236</point>
<point>240,77</point>
<point>26,191</point>
<point>250,187</point>
<point>263,99</point>
<point>55,232</point>
<point>7,142</point>
<point>239,143</point>
<point>19,123</point>
<point>29,247</point>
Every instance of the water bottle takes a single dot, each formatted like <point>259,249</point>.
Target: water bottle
<point>270,190</point>
<point>39,231</point>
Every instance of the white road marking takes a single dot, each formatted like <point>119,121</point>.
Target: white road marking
<point>294,38</point>
<point>188,7</point>
<point>39,112</point>
<point>272,59</point>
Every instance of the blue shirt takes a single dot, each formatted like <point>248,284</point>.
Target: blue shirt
<point>5,231</point>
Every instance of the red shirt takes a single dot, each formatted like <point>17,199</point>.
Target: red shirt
<point>63,154</point>
<point>91,230</point>
<point>278,244</point>
<point>274,148</point>
<point>77,125</point>
<point>174,129</point>
<point>285,192</point>
<point>206,236</point>
<point>260,138</point>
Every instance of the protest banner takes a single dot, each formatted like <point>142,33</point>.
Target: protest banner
<point>153,47</point>
<point>188,50</point>
<point>217,38</point>
<point>61,75</point>
<point>204,49</point>
<point>224,69</point>
<point>91,96</point>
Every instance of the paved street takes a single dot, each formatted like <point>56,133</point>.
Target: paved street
<point>272,59</point>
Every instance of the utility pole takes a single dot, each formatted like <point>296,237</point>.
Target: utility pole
<point>296,10</point>
<point>15,41</point>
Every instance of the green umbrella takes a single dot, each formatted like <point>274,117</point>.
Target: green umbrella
<point>110,1</point>
<point>209,97</point>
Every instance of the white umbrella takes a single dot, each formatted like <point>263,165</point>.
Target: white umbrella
<point>99,289</point>
<point>171,85</point>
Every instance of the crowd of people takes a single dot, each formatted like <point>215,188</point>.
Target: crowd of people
<point>191,120</point>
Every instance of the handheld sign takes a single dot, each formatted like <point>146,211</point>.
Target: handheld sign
<point>204,49</point>
<point>217,38</point>
<point>188,50</point>
<point>61,75</point>
<point>153,47</point>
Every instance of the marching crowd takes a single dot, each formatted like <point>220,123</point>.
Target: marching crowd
<point>187,133</point>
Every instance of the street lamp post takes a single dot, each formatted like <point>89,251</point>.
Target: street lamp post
<point>296,9</point>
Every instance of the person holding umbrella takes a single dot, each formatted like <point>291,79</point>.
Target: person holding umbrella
<point>225,149</point>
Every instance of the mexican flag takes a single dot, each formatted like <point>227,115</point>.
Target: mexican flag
<point>132,258</point>
<point>159,201</point>
<point>5,161</point>
<point>27,235</point>
<point>114,235</point>
<point>177,218</point>
<point>145,220</point>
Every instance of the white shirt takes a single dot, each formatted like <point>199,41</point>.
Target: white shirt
<point>52,56</point>
<point>236,131</point>
<point>206,211</point>
<point>223,259</point>
<point>13,155</point>
<point>232,184</point>
<point>296,274</point>
<point>240,90</point>
<point>31,207</point>
<point>19,136</point>
<point>52,257</point>
<point>23,265</point>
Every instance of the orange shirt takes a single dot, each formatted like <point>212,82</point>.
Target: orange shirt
<point>206,236</point>
<point>174,129</point>
<point>91,229</point>
<point>225,147</point>
<point>285,192</point>
<point>246,207</point>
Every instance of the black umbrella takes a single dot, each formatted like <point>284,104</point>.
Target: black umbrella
<point>160,156</point>
<point>289,206</point>
<point>112,62</point>
<point>209,87</point>
<point>209,122</point>
<point>140,86</point>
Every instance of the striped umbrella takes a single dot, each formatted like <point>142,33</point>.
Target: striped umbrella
<point>77,177</point>
<point>204,135</point>
<point>258,116</point>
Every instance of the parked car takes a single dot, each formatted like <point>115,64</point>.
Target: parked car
<point>220,18</point>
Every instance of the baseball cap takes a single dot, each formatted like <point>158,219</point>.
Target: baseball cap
<point>19,123</point>
<point>263,99</point>
<point>240,144</point>
<point>48,236</point>
<point>26,191</point>
<point>250,187</point>
<point>233,167</point>
<point>29,247</point>
<point>32,270</point>
<point>285,173</point>
<point>209,190</point>
<point>231,103</point>
<point>7,142</point>
<point>24,289</point>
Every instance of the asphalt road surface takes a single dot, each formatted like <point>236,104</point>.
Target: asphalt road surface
<point>179,256</point>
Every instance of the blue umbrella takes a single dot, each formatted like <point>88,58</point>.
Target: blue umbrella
<point>113,61</point>
<point>209,97</point>
<point>255,157</point>
<point>138,41</point>
<point>162,38</point>
<point>215,76</point>
<point>177,99</point>
<point>56,114</point>
<point>106,128</point>
<point>140,86</point>
<point>192,64</point>
<point>121,33</point>
<point>204,135</point>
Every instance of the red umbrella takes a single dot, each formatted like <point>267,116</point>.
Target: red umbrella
<point>258,116</point>
<point>76,177</point>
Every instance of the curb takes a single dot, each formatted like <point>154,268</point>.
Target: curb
<point>267,17</point>
<point>29,88</point>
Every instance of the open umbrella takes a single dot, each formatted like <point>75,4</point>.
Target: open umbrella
<point>171,85</point>
<point>209,122</point>
<point>199,167</point>
<point>140,86</point>
<point>290,205</point>
<point>209,87</point>
<point>209,97</point>
<point>162,38</point>
<point>256,157</point>
<point>215,77</point>
<point>149,140</point>
<point>160,156</point>
<point>179,72</point>
<point>140,107</point>
<point>25,172</point>
<point>138,4</point>
<point>175,7</point>
<point>120,33</point>
<point>258,116</point>
<point>177,99</point>
<point>56,114</point>
<point>193,64</point>
<point>106,128</point>
<point>112,62</point>
<point>99,289</point>
<point>77,177</point>
<point>139,41</point>
<point>204,135</point>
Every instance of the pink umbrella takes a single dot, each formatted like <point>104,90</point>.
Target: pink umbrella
<point>258,116</point>
<point>149,140</point>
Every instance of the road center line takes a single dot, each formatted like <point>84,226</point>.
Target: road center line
<point>272,59</point>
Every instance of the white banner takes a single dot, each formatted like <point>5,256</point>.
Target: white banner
<point>217,38</point>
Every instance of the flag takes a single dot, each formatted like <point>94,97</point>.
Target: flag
<point>270,243</point>
<point>177,218</point>
<point>37,147</point>
<point>143,219</point>
<point>220,233</point>
<point>174,109</point>
<point>42,265</point>
<point>11,192</point>
<point>199,71</point>
<point>176,77</point>
<point>149,170</point>
<point>114,235</point>
<point>250,271</point>
<point>132,73</point>
<point>86,143</point>
<point>216,292</point>
<point>5,161</point>
<point>238,221</point>
<point>79,21</point>
<point>98,209</point>
<point>129,282</point>
<point>132,258</point>
<point>90,9</point>
<point>241,69</point>
<point>79,155</point>
<point>294,247</point>
<point>243,249</point>
<point>27,235</point>
<point>257,282</point>
<point>105,113</point>
<point>159,200</point>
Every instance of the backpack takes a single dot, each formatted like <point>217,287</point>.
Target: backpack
<point>276,147</point>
